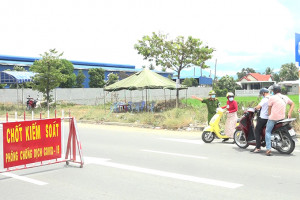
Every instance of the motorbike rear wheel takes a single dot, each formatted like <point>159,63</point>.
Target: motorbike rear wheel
<point>240,139</point>
<point>287,144</point>
<point>208,136</point>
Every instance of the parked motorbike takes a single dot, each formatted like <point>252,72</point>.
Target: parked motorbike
<point>213,130</point>
<point>282,139</point>
<point>31,103</point>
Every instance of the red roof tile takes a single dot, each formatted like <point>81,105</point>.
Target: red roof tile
<point>258,77</point>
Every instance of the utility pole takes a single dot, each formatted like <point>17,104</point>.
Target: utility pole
<point>215,70</point>
<point>215,78</point>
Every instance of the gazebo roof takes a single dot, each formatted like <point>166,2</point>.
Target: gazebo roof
<point>145,79</point>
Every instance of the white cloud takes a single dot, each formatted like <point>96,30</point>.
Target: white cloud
<point>105,31</point>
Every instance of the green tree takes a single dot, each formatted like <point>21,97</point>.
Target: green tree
<point>176,54</point>
<point>49,74</point>
<point>112,78</point>
<point>225,84</point>
<point>244,72</point>
<point>288,72</point>
<point>276,77</point>
<point>96,78</point>
<point>190,82</point>
<point>80,79</point>
<point>269,71</point>
<point>67,68</point>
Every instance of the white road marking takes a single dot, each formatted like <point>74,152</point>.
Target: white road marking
<point>184,140</point>
<point>105,162</point>
<point>176,154</point>
<point>23,178</point>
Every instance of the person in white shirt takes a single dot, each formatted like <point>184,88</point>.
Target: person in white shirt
<point>262,118</point>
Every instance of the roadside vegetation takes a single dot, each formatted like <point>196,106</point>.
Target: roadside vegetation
<point>191,113</point>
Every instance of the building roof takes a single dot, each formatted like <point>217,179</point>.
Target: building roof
<point>16,76</point>
<point>29,60</point>
<point>258,77</point>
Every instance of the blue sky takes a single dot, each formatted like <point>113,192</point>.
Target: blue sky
<point>245,33</point>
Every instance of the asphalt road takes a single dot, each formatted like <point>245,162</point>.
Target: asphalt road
<point>133,164</point>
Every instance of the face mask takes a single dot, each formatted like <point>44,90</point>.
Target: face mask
<point>230,98</point>
<point>213,96</point>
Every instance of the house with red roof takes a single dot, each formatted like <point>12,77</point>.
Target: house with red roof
<point>256,81</point>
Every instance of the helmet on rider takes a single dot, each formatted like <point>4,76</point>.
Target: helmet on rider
<point>262,91</point>
<point>229,94</point>
<point>212,92</point>
<point>276,88</point>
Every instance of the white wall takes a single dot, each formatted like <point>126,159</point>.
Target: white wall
<point>95,96</point>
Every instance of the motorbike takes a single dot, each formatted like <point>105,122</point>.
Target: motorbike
<point>31,103</point>
<point>213,130</point>
<point>283,136</point>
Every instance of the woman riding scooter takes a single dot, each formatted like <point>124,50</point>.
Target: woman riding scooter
<point>232,108</point>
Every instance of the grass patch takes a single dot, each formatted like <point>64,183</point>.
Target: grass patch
<point>194,113</point>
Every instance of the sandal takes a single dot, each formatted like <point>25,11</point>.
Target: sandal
<point>256,151</point>
<point>268,153</point>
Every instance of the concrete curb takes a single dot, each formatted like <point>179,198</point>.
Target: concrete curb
<point>188,129</point>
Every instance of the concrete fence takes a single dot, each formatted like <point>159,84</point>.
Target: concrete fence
<point>96,96</point>
<point>242,93</point>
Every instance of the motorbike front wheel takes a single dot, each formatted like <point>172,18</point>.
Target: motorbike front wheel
<point>240,139</point>
<point>208,136</point>
<point>286,145</point>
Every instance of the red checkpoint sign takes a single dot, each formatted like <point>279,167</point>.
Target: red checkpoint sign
<point>31,141</point>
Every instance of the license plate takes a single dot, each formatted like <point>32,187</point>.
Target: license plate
<point>292,132</point>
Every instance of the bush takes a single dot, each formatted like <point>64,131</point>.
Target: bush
<point>283,90</point>
<point>221,93</point>
<point>189,82</point>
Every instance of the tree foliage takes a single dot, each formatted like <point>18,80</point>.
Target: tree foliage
<point>175,54</point>
<point>49,74</point>
<point>288,72</point>
<point>96,78</point>
<point>269,71</point>
<point>276,77</point>
<point>80,79</point>
<point>224,85</point>
<point>190,82</point>
<point>112,78</point>
<point>244,72</point>
<point>67,69</point>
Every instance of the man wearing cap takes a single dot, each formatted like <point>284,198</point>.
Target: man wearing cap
<point>262,118</point>
<point>212,104</point>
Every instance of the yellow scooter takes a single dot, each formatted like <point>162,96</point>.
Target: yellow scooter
<point>213,130</point>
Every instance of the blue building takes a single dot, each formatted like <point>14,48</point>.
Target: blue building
<point>8,62</point>
<point>202,76</point>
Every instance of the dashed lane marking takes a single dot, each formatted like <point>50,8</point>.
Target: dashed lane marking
<point>175,154</point>
<point>23,178</point>
<point>213,182</point>
<point>184,140</point>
